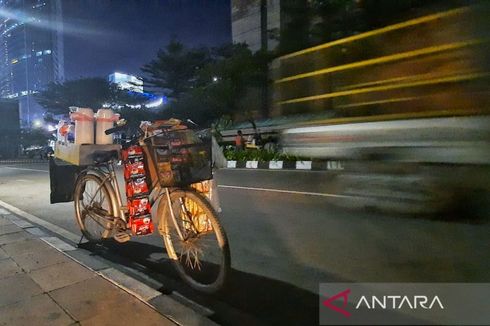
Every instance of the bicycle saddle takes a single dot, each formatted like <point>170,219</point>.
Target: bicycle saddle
<point>104,156</point>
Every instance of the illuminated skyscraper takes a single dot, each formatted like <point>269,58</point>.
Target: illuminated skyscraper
<point>125,81</point>
<point>31,52</point>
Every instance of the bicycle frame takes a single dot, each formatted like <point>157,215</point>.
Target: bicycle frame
<point>119,210</point>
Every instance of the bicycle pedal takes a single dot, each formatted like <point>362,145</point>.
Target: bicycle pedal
<point>122,237</point>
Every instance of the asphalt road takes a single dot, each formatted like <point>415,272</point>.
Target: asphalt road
<point>287,236</point>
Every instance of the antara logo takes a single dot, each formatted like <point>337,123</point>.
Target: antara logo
<point>399,302</point>
<point>344,295</point>
<point>383,302</point>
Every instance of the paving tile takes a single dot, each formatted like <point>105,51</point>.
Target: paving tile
<point>20,222</point>
<point>88,298</point>
<point>141,289</point>
<point>36,231</point>
<point>88,259</point>
<point>128,312</point>
<point>8,268</point>
<point>57,243</point>
<point>22,247</point>
<point>178,312</point>
<point>4,221</point>
<point>38,310</point>
<point>39,259</point>
<point>9,228</point>
<point>14,237</point>
<point>60,275</point>
<point>3,254</point>
<point>17,288</point>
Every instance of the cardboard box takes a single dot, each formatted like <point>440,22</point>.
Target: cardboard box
<point>81,154</point>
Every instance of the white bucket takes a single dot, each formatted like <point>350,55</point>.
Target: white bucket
<point>84,125</point>
<point>105,120</point>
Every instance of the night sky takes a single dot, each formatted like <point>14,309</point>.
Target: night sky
<point>103,36</point>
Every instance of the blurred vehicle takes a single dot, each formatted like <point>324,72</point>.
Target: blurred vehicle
<point>34,151</point>
<point>40,152</point>
<point>410,107</point>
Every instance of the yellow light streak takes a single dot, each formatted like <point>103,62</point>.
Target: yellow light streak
<point>451,79</point>
<point>389,28</point>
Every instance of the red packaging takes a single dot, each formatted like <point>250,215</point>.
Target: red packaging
<point>175,142</point>
<point>132,151</point>
<point>136,169</point>
<point>176,159</point>
<point>138,207</point>
<point>136,187</point>
<point>142,225</point>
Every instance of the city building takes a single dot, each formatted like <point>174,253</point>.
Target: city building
<point>9,129</point>
<point>256,22</point>
<point>128,82</point>
<point>31,52</point>
<point>134,84</point>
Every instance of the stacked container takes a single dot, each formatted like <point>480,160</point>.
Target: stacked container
<point>137,191</point>
<point>105,120</point>
<point>84,125</point>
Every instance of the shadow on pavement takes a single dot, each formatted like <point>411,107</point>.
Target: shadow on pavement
<point>248,299</point>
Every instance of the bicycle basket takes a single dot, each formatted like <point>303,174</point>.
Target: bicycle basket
<point>180,158</point>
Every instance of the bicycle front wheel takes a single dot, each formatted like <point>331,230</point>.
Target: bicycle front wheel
<point>93,208</point>
<point>196,242</point>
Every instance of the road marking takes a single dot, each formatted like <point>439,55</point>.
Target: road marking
<point>36,220</point>
<point>319,194</point>
<point>278,170</point>
<point>25,169</point>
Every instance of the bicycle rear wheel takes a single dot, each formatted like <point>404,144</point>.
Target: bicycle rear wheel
<point>202,255</point>
<point>93,208</point>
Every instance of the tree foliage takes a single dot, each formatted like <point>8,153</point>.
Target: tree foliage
<point>175,69</point>
<point>212,87</point>
<point>84,92</point>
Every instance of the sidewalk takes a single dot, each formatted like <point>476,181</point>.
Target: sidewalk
<point>39,285</point>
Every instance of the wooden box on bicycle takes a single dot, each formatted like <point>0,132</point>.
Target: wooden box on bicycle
<point>179,158</point>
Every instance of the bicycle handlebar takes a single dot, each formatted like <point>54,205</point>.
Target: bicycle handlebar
<point>125,125</point>
<point>115,129</point>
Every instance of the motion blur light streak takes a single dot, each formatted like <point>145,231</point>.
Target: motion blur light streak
<point>43,22</point>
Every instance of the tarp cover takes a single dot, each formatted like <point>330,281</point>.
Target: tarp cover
<point>62,177</point>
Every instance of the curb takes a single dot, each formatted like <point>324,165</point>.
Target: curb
<point>20,161</point>
<point>286,165</point>
<point>174,306</point>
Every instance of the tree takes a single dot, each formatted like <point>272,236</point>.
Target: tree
<point>175,69</point>
<point>217,87</point>
<point>85,92</point>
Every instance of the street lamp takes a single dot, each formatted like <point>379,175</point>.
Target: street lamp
<point>37,123</point>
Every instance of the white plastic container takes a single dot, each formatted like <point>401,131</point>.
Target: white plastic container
<point>84,125</point>
<point>105,119</point>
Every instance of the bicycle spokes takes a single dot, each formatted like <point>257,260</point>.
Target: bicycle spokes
<point>94,206</point>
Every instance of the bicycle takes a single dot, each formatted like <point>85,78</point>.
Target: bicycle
<point>193,236</point>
